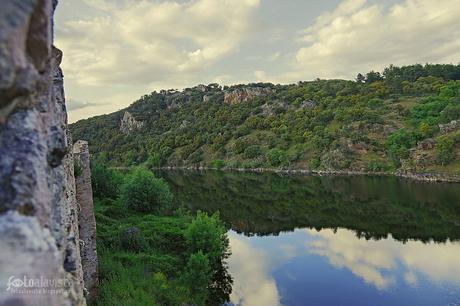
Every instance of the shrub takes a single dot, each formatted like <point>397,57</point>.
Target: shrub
<point>76,169</point>
<point>277,157</point>
<point>207,234</point>
<point>131,239</point>
<point>198,277</point>
<point>445,150</point>
<point>252,152</point>
<point>143,192</point>
<point>218,163</point>
<point>104,181</point>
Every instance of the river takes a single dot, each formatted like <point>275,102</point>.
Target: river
<point>308,240</point>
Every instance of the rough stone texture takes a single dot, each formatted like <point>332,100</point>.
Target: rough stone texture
<point>87,219</point>
<point>449,127</point>
<point>239,95</point>
<point>426,144</point>
<point>39,235</point>
<point>129,123</point>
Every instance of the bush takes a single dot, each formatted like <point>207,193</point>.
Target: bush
<point>445,150</point>
<point>131,239</point>
<point>144,192</point>
<point>277,157</point>
<point>207,234</point>
<point>104,181</point>
<point>252,152</point>
<point>218,163</point>
<point>198,277</point>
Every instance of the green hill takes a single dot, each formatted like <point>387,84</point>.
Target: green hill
<point>406,118</point>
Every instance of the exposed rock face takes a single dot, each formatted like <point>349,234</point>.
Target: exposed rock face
<point>39,226</point>
<point>238,95</point>
<point>426,144</point>
<point>449,127</point>
<point>87,219</point>
<point>129,123</point>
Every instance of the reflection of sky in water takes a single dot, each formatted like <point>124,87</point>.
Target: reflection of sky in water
<point>306,267</point>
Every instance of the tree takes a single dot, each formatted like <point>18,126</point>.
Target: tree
<point>252,151</point>
<point>277,157</point>
<point>105,182</point>
<point>207,234</point>
<point>373,76</point>
<point>445,150</point>
<point>143,192</point>
<point>198,277</point>
<point>360,78</point>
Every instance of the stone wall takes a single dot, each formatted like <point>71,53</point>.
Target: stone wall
<point>39,225</point>
<point>87,219</point>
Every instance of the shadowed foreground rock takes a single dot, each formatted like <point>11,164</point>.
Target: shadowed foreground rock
<point>40,262</point>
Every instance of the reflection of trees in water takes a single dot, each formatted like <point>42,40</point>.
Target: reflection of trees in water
<point>373,207</point>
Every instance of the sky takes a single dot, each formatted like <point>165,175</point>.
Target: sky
<point>115,51</point>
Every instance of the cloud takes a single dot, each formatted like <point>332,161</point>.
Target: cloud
<point>379,262</point>
<point>357,37</point>
<point>250,267</point>
<point>73,105</point>
<point>143,42</point>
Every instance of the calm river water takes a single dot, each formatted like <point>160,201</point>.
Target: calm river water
<point>301,240</point>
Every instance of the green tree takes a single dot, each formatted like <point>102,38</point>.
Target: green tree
<point>252,151</point>
<point>207,234</point>
<point>277,157</point>
<point>197,277</point>
<point>445,150</point>
<point>143,192</point>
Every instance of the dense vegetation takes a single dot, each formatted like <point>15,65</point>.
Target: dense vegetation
<point>151,253</point>
<point>373,207</point>
<point>381,122</point>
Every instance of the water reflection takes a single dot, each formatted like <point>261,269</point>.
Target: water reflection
<point>320,267</point>
<point>378,262</point>
<point>250,267</point>
<point>333,241</point>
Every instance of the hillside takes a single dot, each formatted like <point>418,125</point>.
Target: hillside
<point>406,118</point>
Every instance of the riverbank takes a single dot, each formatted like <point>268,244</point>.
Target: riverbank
<point>425,177</point>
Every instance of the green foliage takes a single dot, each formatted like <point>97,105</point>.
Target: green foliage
<point>77,171</point>
<point>445,150</point>
<point>131,239</point>
<point>198,276</point>
<point>153,262</point>
<point>105,182</point>
<point>218,163</point>
<point>252,151</point>
<point>277,157</point>
<point>207,234</point>
<point>142,191</point>
<point>187,129</point>
<point>399,144</point>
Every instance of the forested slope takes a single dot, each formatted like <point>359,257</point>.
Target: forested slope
<point>406,118</point>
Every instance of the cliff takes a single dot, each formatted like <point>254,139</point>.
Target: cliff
<point>40,257</point>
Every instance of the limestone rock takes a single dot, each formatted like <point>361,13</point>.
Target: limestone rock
<point>426,144</point>
<point>39,235</point>
<point>87,220</point>
<point>129,123</point>
<point>449,127</point>
<point>239,95</point>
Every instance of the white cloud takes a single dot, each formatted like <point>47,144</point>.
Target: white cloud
<point>378,262</point>
<point>250,267</point>
<point>143,42</point>
<point>357,37</point>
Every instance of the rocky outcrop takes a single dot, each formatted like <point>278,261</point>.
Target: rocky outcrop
<point>40,261</point>
<point>449,127</point>
<point>129,123</point>
<point>239,95</point>
<point>86,218</point>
